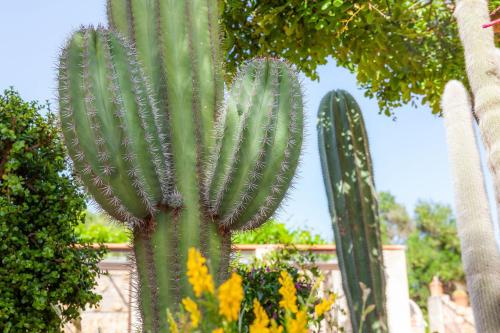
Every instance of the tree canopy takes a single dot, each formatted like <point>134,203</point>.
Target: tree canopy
<point>433,250</point>
<point>395,223</point>
<point>401,51</point>
<point>433,247</point>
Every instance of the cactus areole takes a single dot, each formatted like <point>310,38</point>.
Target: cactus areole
<point>155,144</point>
<point>348,177</point>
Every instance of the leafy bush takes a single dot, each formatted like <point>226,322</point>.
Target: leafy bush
<point>98,229</point>
<point>271,297</point>
<point>274,232</point>
<point>395,222</point>
<point>433,247</point>
<point>45,280</point>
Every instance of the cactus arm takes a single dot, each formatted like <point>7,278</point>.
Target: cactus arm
<point>254,165</point>
<point>88,126</point>
<point>282,153</point>
<point>480,254</point>
<point>228,137</point>
<point>91,181</point>
<point>104,80</point>
<point>249,152</point>
<point>483,72</point>
<point>347,173</point>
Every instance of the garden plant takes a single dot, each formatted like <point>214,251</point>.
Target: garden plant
<point>47,275</point>
<point>150,137</point>
<point>229,309</point>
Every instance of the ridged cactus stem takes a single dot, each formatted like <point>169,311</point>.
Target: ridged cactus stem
<point>348,177</point>
<point>480,255</point>
<point>150,138</point>
<point>483,70</point>
<point>158,268</point>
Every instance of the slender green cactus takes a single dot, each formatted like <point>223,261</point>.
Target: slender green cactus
<point>154,143</point>
<point>348,177</point>
<point>480,254</point>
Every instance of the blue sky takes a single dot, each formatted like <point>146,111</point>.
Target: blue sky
<point>409,153</point>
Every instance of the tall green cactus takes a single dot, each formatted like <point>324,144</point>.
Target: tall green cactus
<point>348,177</point>
<point>153,142</point>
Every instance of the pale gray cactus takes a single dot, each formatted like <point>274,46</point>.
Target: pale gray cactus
<point>480,255</point>
<point>483,71</point>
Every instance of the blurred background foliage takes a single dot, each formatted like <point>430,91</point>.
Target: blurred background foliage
<point>99,228</point>
<point>432,244</point>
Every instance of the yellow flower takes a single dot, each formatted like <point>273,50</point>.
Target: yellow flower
<point>218,330</point>
<point>299,324</point>
<point>275,328</point>
<point>288,292</point>
<point>324,306</point>
<point>261,322</point>
<point>193,310</point>
<point>230,296</point>
<point>197,272</point>
<point>171,323</point>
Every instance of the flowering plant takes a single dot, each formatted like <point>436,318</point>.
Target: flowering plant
<point>219,311</point>
<point>261,282</point>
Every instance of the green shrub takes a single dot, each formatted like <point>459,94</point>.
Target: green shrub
<point>261,282</point>
<point>433,250</point>
<point>44,279</point>
<point>274,232</point>
<point>99,229</point>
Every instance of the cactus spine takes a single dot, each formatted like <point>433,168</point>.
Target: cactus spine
<point>480,255</point>
<point>154,143</point>
<point>348,177</point>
